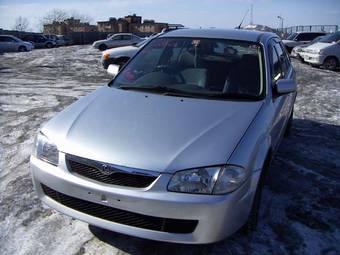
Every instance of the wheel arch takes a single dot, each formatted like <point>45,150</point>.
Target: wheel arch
<point>333,56</point>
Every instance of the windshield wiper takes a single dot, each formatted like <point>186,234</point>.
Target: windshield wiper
<point>166,91</point>
<point>233,96</point>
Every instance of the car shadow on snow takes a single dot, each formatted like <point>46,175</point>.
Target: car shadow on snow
<point>300,203</point>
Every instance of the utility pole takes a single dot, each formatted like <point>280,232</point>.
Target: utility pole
<point>281,18</point>
<point>251,15</point>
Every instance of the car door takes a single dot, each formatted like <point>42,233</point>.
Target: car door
<point>281,68</point>
<point>126,40</point>
<point>4,45</point>
<point>303,38</point>
<point>115,41</point>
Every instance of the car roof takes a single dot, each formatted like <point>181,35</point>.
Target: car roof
<point>233,34</point>
<point>8,36</point>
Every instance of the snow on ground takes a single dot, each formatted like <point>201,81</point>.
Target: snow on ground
<point>301,203</point>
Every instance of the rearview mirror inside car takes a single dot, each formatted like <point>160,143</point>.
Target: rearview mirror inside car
<point>285,86</point>
<point>113,69</point>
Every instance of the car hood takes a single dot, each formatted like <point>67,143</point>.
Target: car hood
<point>99,42</point>
<point>27,43</point>
<point>318,46</point>
<point>151,131</point>
<point>122,51</point>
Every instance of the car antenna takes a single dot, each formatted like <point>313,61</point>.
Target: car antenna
<point>239,26</point>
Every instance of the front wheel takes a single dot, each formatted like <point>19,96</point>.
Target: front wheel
<point>102,47</point>
<point>330,63</point>
<point>49,45</point>
<point>22,49</point>
<point>251,224</point>
<point>289,125</point>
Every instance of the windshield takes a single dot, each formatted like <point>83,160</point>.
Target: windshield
<point>138,45</point>
<point>291,36</point>
<point>331,38</point>
<point>317,39</point>
<point>196,67</point>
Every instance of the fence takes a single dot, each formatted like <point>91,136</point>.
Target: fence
<point>310,28</point>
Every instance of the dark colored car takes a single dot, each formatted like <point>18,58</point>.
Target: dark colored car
<point>39,41</point>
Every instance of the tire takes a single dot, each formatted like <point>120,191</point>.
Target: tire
<point>22,49</point>
<point>252,222</point>
<point>288,130</point>
<point>331,63</point>
<point>289,49</point>
<point>102,47</point>
<point>49,45</point>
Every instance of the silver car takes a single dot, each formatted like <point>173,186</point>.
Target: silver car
<point>176,147</point>
<point>121,55</point>
<point>9,43</point>
<point>117,40</point>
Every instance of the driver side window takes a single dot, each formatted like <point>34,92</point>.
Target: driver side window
<point>276,66</point>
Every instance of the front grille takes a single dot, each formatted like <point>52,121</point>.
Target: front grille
<point>90,169</point>
<point>122,216</point>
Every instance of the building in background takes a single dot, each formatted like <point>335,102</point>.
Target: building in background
<point>68,26</point>
<point>130,24</point>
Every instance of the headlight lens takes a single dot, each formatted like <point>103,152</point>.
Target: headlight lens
<point>230,178</point>
<point>46,150</point>
<point>208,180</point>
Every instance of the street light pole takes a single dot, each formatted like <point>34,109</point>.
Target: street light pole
<point>281,18</point>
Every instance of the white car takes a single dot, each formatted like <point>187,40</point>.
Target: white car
<point>299,38</point>
<point>299,50</point>
<point>10,43</point>
<point>325,53</point>
<point>121,55</point>
<point>117,40</point>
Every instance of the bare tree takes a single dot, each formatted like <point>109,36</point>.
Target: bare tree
<point>55,15</point>
<point>82,17</point>
<point>21,24</point>
<point>49,22</point>
<point>52,20</point>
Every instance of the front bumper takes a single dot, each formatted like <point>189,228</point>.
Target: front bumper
<point>312,58</point>
<point>218,216</point>
<point>107,62</point>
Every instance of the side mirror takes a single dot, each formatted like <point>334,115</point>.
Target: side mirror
<point>285,86</point>
<point>113,69</point>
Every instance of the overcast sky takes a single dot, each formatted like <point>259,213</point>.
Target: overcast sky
<point>191,13</point>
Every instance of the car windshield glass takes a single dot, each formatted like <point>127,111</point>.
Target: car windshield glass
<point>317,39</point>
<point>138,45</point>
<point>291,36</point>
<point>331,38</point>
<point>196,67</point>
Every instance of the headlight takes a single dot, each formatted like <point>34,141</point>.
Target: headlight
<point>45,150</point>
<point>209,180</point>
<point>106,56</point>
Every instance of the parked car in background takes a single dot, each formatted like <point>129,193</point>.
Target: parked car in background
<point>176,148</point>
<point>117,40</point>
<point>65,39</point>
<point>298,50</point>
<point>325,53</point>
<point>9,43</point>
<point>121,55</point>
<point>39,41</point>
<point>300,38</point>
<point>60,40</point>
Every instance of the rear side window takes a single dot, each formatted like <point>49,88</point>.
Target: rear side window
<point>281,62</point>
<point>284,61</point>
<point>126,37</point>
